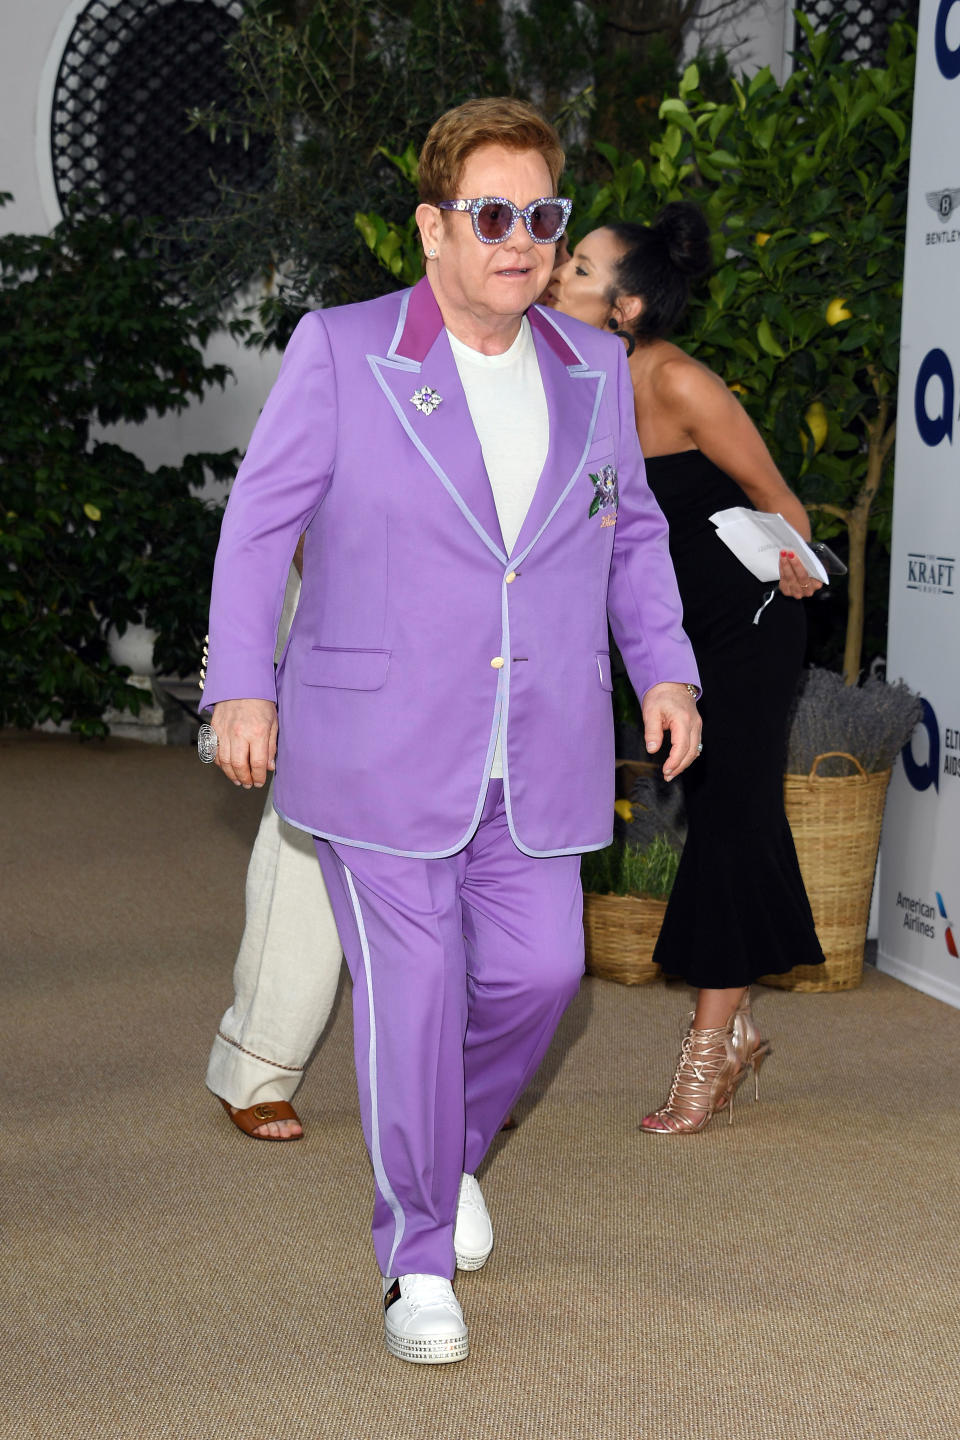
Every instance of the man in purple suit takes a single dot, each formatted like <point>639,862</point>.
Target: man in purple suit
<point>465,469</point>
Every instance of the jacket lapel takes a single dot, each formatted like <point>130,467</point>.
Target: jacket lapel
<point>420,359</point>
<point>573,394</point>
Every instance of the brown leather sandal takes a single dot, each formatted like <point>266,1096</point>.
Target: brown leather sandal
<point>248,1120</point>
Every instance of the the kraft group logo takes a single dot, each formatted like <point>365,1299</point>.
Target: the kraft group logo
<point>930,574</point>
<point>948,936</point>
<point>935,383</point>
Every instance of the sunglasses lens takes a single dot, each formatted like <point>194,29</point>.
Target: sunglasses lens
<point>494,221</point>
<point>546,222</point>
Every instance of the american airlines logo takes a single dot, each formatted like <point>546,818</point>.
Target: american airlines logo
<point>931,574</point>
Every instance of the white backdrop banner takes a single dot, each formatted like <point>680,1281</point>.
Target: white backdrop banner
<point>920,867</point>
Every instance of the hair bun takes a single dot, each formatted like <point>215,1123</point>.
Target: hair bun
<point>686,237</point>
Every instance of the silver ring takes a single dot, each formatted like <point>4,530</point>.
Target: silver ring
<point>207,743</point>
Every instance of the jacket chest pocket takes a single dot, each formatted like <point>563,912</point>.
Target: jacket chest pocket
<point>601,451</point>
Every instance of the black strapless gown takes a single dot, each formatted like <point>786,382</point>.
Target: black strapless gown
<point>738,908</point>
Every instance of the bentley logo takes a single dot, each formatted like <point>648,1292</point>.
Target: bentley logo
<point>944,202</point>
<point>427,400</point>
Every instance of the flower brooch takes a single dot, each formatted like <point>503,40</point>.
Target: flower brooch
<point>426,400</point>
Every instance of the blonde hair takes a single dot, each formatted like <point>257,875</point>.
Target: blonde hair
<point>513,124</point>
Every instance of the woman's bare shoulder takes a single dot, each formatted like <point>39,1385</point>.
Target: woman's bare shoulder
<point>677,379</point>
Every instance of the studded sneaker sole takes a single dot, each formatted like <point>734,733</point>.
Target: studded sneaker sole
<point>422,1350</point>
<point>472,1261</point>
<point>423,1323</point>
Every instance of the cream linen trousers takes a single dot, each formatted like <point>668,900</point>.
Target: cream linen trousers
<point>287,969</point>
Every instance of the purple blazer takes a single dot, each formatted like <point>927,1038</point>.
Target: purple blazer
<point>417,634</point>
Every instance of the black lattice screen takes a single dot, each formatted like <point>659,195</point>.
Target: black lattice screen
<point>866,24</point>
<point>119,137</point>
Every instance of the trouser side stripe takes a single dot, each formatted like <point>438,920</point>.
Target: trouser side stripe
<point>380,1174</point>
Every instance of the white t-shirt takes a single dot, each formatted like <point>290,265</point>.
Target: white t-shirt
<point>508,407</point>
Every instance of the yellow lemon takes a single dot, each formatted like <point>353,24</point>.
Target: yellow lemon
<point>761,237</point>
<point>92,512</point>
<point>837,311</point>
<point>624,809</point>
<point>816,418</point>
<point>737,388</point>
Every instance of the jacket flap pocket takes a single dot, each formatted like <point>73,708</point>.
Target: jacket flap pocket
<point>345,669</point>
<point>603,665</point>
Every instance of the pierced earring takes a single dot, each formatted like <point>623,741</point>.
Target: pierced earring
<point>431,254</point>
<point>625,335</point>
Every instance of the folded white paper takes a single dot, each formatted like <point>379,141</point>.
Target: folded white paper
<point>756,537</point>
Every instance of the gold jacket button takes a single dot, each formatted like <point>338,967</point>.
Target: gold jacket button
<point>511,577</point>
<point>498,662</point>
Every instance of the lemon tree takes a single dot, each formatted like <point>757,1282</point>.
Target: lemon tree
<point>804,187</point>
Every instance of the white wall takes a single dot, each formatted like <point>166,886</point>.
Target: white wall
<point>34,33</point>
<point>756,34</point>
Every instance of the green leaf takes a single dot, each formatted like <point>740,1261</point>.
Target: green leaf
<point>367,229</point>
<point>672,141</point>
<point>860,109</point>
<point>768,342</point>
<point>894,121</point>
<point>609,152</point>
<point>690,80</point>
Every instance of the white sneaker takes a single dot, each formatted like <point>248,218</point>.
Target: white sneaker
<point>423,1320</point>
<point>473,1233</point>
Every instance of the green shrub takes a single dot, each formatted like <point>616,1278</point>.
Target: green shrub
<point>89,536</point>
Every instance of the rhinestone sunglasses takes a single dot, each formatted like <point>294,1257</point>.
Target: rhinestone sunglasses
<point>494,218</point>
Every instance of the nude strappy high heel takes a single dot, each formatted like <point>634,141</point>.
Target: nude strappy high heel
<point>704,1082</point>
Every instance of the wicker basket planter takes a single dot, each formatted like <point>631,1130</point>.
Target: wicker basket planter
<point>836,829</point>
<point>620,932</point>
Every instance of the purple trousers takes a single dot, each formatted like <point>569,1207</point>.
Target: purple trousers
<point>462,968</point>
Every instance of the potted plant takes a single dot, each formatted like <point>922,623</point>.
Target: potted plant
<point>625,891</point>
<point>843,742</point>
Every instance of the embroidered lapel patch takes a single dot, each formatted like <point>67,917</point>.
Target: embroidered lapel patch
<point>606,495</point>
<point>426,400</point>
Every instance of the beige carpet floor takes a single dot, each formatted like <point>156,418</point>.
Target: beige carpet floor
<point>794,1277</point>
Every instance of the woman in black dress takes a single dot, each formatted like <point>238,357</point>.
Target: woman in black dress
<point>738,908</point>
